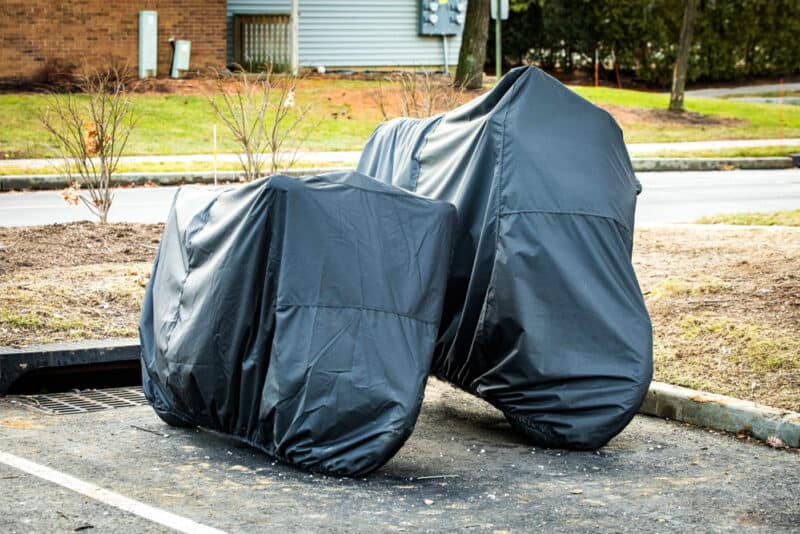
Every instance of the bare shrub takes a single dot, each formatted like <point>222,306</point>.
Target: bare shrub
<point>417,94</point>
<point>91,131</point>
<point>56,74</point>
<point>261,113</point>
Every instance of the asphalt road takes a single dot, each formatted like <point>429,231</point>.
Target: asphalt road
<point>462,470</point>
<point>668,197</point>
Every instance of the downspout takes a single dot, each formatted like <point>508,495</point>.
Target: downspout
<point>444,53</point>
<point>295,52</point>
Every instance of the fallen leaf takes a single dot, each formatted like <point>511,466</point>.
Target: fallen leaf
<point>775,442</point>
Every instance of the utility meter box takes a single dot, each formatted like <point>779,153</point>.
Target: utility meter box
<point>148,44</point>
<point>442,17</point>
<point>180,58</point>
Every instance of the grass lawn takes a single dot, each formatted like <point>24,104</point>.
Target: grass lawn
<point>735,331</point>
<point>766,94</point>
<point>172,166</point>
<point>752,152</point>
<point>775,218</point>
<point>183,124</point>
<point>346,111</point>
<point>734,120</point>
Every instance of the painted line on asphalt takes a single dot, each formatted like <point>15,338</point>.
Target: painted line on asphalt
<point>145,511</point>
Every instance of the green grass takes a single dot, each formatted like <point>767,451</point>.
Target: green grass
<point>178,124</point>
<point>758,121</point>
<point>775,218</point>
<point>748,152</point>
<point>766,94</point>
<point>168,166</point>
<point>346,115</point>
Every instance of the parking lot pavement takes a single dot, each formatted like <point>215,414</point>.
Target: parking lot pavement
<point>462,469</point>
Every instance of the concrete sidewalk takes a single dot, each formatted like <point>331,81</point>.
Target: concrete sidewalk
<point>463,469</point>
<point>716,92</point>
<point>350,158</point>
<point>651,148</point>
<point>344,158</point>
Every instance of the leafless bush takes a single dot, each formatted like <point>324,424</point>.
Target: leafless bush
<point>91,131</point>
<point>56,74</point>
<point>417,94</point>
<point>261,113</point>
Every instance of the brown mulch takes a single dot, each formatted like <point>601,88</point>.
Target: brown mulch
<point>626,115</point>
<point>80,243</point>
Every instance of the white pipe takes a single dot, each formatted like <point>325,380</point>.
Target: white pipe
<point>444,51</point>
<point>295,42</point>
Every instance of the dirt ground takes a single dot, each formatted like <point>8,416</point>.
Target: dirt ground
<point>626,116</point>
<point>724,301</point>
<point>725,306</point>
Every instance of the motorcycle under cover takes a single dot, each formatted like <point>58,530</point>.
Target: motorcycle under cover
<point>298,315</point>
<point>543,315</point>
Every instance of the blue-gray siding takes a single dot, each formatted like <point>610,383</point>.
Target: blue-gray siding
<point>355,33</point>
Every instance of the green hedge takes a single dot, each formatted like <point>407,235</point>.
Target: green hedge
<point>733,38</point>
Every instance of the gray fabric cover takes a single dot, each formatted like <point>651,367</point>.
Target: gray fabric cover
<point>298,315</point>
<point>543,315</point>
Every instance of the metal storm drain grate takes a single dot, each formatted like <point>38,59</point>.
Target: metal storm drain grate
<point>93,400</point>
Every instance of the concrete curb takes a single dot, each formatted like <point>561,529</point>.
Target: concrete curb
<point>53,181</point>
<point>663,400</point>
<point>15,363</point>
<point>710,164</point>
<point>722,413</point>
<point>126,179</point>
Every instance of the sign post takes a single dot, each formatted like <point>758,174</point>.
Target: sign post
<point>499,11</point>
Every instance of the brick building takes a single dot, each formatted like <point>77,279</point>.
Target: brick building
<point>38,37</point>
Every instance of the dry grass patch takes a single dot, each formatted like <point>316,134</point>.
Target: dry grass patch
<point>772,218</point>
<point>69,303</point>
<point>73,281</point>
<point>676,286</point>
<point>736,331</point>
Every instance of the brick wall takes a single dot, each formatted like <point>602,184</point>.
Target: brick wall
<point>38,35</point>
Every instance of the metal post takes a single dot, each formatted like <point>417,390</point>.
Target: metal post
<point>596,68</point>
<point>497,44</point>
<point>295,46</point>
<point>444,52</point>
<point>215,154</point>
<point>780,111</point>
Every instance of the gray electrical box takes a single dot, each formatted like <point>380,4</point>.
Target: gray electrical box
<point>180,58</point>
<point>148,44</point>
<point>442,17</point>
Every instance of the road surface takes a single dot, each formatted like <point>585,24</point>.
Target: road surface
<point>717,92</point>
<point>668,197</point>
<point>462,470</point>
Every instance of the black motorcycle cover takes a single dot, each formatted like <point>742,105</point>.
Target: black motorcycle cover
<point>298,315</point>
<point>543,315</point>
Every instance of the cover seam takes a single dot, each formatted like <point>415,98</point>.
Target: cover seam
<point>362,308</point>
<point>562,212</point>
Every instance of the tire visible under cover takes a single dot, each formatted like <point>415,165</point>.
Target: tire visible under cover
<point>543,315</point>
<point>298,315</point>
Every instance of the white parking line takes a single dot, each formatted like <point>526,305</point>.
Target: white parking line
<point>156,515</point>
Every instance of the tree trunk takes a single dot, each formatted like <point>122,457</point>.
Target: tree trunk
<point>679,74</point>
<point>472,56</point>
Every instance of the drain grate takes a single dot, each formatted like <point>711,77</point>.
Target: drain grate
<point>72,402</point>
